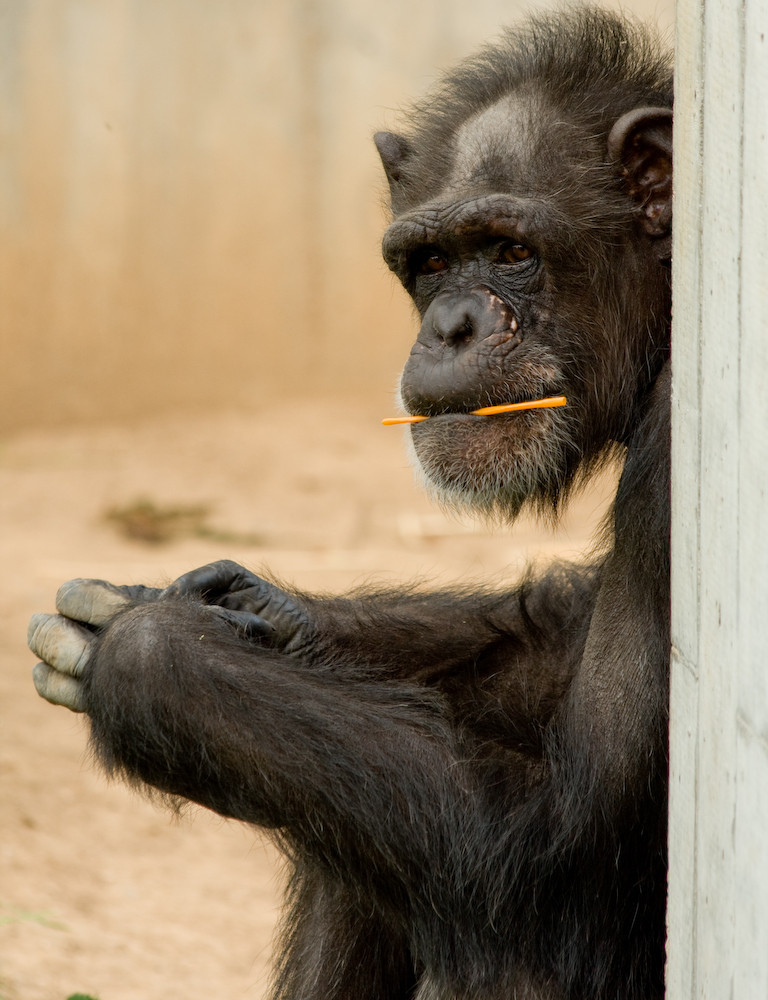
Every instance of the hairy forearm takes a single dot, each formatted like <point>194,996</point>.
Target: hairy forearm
<point>426,636</point>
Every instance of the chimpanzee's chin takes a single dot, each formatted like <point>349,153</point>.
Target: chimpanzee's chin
<point>490,466</point>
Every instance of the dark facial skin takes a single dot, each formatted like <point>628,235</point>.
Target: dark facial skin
<point>481,286</point>
<point>477,286</point>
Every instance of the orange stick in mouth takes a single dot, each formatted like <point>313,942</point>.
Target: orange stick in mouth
<point>491,411</point>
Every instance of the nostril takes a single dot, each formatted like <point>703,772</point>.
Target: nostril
<point>454,329</point>
<point>462,335</point>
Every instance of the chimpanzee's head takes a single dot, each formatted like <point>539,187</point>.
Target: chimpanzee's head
<point>531,205</point>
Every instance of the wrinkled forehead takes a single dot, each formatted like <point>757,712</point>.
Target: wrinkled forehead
<point>496,146</point>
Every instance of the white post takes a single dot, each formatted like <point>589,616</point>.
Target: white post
<point>718,837</point>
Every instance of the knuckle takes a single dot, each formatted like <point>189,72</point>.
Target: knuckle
<point>58,689</point>
<point>32,629</point>
<point>104,605</point>
<point>41,678</point>
<point>60,643</point>
<point>68,594</point>
<point>92,601</point>
<point>38,632</point>
<point>228,566</point>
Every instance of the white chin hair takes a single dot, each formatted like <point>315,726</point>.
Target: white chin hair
<point>499,474</point>
<point>495,499</point>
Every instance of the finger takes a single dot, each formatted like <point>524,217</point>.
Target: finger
<point>93,601</point>
<point>252,599</point>
<point>211,581</point>
<point>292,626</point>
<point>256,599</point>
<point>62,643</point>
<point>59,689</point>
<point>251,626</point>
<point>137,593</point>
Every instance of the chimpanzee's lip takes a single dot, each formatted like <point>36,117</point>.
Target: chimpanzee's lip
<point>496,409</point>
<point>521,405</point>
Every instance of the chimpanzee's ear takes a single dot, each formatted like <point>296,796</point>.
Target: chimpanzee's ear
<point>640,144</point>
<point>394,151</point>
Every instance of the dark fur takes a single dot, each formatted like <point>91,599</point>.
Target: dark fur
<point>471,786</point>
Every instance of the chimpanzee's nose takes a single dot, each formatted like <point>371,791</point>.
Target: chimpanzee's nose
<point>455,319</point>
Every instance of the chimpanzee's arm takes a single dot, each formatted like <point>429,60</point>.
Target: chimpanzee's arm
<point>403,632</point>
<point>502,657</point>
<point>351,770</point>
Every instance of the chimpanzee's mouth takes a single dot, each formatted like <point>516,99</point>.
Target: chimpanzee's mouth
<point>547,402</point>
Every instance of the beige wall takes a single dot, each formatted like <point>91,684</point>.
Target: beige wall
<point>190,204</point>
<point>718,808</point>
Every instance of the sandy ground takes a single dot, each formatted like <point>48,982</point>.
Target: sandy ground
<point>102,892</point>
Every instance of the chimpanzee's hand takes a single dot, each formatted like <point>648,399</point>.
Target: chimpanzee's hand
<point>64,641</point>
<point>230,586</point>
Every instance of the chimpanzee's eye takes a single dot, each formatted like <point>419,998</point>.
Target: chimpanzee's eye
<point>513,253</point>
<point>429,261</point>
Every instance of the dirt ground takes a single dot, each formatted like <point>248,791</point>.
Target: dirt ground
<point>102,892</point>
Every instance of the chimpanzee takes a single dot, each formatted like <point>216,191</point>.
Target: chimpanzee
<point>471,786</point>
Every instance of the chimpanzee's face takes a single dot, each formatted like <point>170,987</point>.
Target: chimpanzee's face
<point>526,279</point>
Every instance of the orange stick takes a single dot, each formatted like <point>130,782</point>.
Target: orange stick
<point>490,411</point>
<point>390,421</point>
